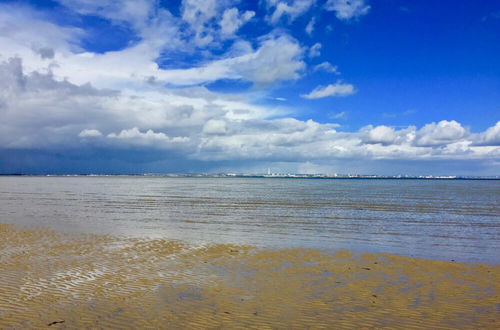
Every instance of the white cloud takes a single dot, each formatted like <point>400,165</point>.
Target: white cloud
<point>337,89</point>
<point>289,8</point>
<point>215,126</point>
<point>315,50</point>
<point>89,133</point>
<point>347,9</point>
<point>211,21</point>
<point>490,137</point>
<point>441,133</point>
<point>199,13</point>
<point>155,25</point>
<point>310,26</point>
<point>134,12</point>
<point>327,67</point>
<point>232,20</point>
<point>134,136</point>
<point>277,59</point>
<point>382,134</point>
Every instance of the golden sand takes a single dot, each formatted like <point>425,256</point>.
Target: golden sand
<point>54,280</point>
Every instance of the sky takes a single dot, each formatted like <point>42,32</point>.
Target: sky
<point>209,86</point>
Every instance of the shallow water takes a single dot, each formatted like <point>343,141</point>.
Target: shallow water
<point>441,219</point>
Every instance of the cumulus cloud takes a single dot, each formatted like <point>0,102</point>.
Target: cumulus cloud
<point>490,137</point>
<point>337,89</point>
<point>347,9</point>
<point>386,135</point>
<point>292,140</point>
<point>382,134</point>
<point>441,133</point>
<point>149,138</point>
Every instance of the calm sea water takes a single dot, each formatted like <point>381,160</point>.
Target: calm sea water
<point>425,218</point>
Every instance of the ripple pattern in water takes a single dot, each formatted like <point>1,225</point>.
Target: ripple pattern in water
<point>425,218</point>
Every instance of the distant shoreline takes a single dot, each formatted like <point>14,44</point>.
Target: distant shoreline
<point>270,176</point>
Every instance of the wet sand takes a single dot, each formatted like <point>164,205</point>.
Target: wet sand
<point>50,279</point>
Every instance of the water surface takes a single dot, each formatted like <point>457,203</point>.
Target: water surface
<point>443,219</point>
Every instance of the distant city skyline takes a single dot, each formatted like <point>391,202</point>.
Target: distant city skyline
<point>294,86</point>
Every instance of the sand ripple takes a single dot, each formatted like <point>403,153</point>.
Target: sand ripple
<point>50,279</point>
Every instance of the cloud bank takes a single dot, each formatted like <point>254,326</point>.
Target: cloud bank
<point>59,97</point>
<point>41,112</point>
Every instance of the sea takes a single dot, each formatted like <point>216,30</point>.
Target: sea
<point>439,219</point>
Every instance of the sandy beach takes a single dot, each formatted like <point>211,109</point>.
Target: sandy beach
<point>51,279</point>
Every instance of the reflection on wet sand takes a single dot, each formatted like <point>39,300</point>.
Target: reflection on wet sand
<point>56,280</point>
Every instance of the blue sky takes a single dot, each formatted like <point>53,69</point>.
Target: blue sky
<point>314,86</point>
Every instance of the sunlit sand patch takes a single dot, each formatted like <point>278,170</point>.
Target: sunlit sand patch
<point>50,279</point>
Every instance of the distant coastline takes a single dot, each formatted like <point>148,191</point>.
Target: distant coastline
<point>271,176</point>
